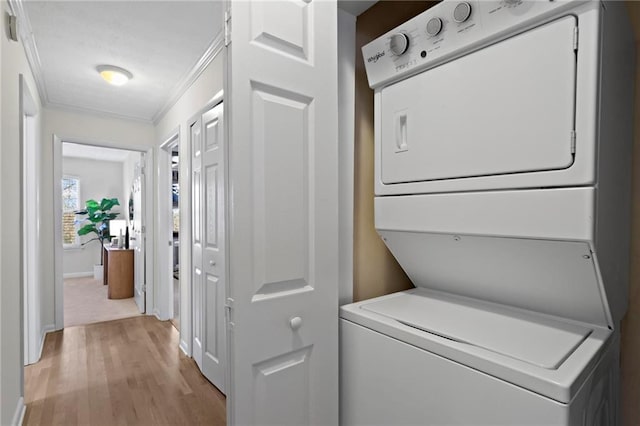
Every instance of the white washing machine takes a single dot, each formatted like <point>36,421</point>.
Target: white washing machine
<point>503,134</point>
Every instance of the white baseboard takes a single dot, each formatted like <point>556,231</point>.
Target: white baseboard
<point>18,416</point>
<point>184,347</point>
<point>156,313</point>
<point>45,329</point>
<point>77,274</point>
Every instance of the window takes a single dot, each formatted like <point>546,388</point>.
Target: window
<point>70,204</point>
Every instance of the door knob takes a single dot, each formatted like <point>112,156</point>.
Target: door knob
<point>212,263</point>
<point>295,323</point>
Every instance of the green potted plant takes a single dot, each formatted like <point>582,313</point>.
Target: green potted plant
<point>95,218</point>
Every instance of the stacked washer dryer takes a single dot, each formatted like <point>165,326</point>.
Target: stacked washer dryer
<point>503,134</point>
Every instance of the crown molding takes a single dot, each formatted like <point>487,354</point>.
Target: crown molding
<point>215,47</point>
<point>25,33</point>
<point>28,41</point>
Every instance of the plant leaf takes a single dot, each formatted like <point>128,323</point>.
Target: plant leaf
<point>92,204</point>
<point>88,228</point>
<point>108,203</point>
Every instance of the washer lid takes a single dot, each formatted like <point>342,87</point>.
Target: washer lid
<point>538,340</point>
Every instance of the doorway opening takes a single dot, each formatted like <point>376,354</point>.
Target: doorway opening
<point>169,194</point>
<point>100,195</point>
<point>175,215</point>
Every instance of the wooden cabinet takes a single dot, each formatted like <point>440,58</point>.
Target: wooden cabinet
<point>118,272</point>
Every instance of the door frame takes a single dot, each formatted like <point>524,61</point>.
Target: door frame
<point>58,250</point>
<point>33,328</point>
<point>165,204</point>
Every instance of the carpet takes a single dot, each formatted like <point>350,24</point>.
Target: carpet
<point>86,302</point>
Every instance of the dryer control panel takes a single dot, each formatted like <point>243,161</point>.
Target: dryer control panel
<point>451,29</point>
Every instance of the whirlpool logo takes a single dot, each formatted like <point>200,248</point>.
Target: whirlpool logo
<point>375,57</point>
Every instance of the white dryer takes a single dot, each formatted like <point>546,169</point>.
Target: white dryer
<point>503,134</point>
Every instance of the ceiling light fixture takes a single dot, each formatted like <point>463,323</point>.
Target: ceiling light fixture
<point>114,75</point>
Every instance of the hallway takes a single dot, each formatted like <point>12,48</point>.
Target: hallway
<point>127,371</point>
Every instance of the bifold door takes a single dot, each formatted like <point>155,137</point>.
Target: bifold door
<point>208,252</point>
<point>507,108</point>
<point>283,213</point>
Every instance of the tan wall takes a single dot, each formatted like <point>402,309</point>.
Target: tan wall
<point>375,270</point>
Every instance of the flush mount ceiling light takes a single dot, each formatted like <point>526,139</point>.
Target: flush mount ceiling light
<point>114,75</point>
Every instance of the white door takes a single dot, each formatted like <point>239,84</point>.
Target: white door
<point>209,264</point>
<point>137,235</point>
<point>195,139</point>
<point>283,213</point>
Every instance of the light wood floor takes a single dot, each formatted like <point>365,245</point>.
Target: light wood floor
<point>123,372</point>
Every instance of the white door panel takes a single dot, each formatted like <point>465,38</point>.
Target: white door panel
<point>470,119</point>
<point>213,253</point>
<point>283,242</point>
<point>195,140</point>
<point>137,242</point>
<point>208,252</point>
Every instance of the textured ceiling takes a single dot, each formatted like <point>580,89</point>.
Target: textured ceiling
<point>90,152</point>
<point>159,42</point>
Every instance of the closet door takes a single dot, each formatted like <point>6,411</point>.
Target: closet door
<point>195,138</point>
<point>214,339</point>
<point>281,104</point>
<point>208,251</point>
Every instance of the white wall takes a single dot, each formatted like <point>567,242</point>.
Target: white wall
<point>79,127</point>
<point>12,64</point>
<point>98,180</point>
<point>346,129</point>
<point>192,101</point>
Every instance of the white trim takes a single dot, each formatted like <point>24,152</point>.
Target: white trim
<point>149,224</point>
<point>57,217</point>
<point>216,46</point>
<point>33,59</point>
<point>45,330</point>
<point>346,136</point>
<point>18,415</point>
<point>186,334</point>
<point>58,281</point>
<point>25,33</point>
<point>185,348</point>
<point>77,274</point>
<point>156,313</point>
<point>31,297</point>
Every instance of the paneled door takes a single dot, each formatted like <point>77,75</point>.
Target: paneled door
<point>281,99</point>
<point>137,240</point>
<point>208,233</point>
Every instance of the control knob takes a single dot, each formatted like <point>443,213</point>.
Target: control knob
<point>462,12</point>
<point>434,26</point>
<point>399,44</point>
